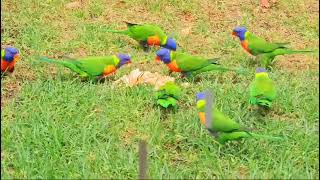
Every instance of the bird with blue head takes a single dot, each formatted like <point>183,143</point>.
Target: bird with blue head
<point>9,57</point>
<point>240,32</point>
<point>263,50</point>
<point>148,35</point>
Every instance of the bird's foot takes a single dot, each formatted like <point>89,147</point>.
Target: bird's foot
<point>101,79</point>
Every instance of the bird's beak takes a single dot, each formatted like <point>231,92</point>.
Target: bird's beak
<point>16,57</point>
<point>158,59</point>
<point>129,62</point>
<point>234,33</point>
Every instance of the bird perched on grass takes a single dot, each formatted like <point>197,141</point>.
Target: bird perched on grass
<point>189,65</point>
<point>262,89</point>
<point>93,67</point>
<point>265,51</point>
<point>147,35</point>
<point>222,127</point>
<point>9,57</point>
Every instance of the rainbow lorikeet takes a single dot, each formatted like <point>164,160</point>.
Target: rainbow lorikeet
<point>222,127</point>
<point>265,51</point>
<point>187,64</point>
<point>9,57</point>
<point>262,89</point>
<point>148,35</point>
<point>93,67</point>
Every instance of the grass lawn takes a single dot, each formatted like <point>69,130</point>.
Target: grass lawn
<point>53,125</point>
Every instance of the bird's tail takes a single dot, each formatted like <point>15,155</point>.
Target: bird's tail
<point>291,51</point>
<point>236,135</point>
<point>46,59</point>
<point>68,64</point>
<point>268,137</point>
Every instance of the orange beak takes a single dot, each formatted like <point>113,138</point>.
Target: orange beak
<point>129,62</point>
<point>158,59</point>
<point>234,33</point>
<point>16,57</point>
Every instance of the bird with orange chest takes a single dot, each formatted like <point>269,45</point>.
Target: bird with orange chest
<point>188,65</point>
<point>9,57</point>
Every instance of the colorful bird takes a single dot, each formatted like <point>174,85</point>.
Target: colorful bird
<point>222,127</point>
<point>148,35</point>
<point>262,89</point>
<point>93,67</point>
<point>265,51</point>
<point>187,64</point>
<point>9,57</point>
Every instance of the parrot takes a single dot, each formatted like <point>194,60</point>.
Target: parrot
<point>263,50</point>
<point>9,57</point>
<point>188,65</point>
<point>147,35</point>
<point>222,127</point>
<point>262,89</point>
<point>168,95</point>
<point>93,67</point>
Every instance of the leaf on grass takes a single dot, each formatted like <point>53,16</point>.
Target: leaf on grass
<point>144,77</point>
<point>171,89</point>
<point>166,103</point>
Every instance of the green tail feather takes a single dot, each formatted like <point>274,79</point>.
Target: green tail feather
<point>237,135</point>
<point>290,51</point>
<point>45,59</point>
<point>273,138</point>
<point>67,64</point>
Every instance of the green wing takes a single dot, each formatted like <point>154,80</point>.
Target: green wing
<point>223,123</point>
<point>142,32</point>
<point>95,66</point>
<point>262,91</point>
<point>258,45</point>
<point>189,63</point>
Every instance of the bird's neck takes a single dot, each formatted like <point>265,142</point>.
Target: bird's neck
<point>242,37</point>
<point>173,66</point>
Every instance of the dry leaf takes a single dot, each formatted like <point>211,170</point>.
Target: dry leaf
<point>73,5</point>
<point>144,77</point>
<point>265,3</point>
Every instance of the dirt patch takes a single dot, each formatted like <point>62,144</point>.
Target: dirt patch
<point>74,5</point>
<point>127,136</point>
<point>8,91</point>
<point>294,63</point>
<point>243,171</point>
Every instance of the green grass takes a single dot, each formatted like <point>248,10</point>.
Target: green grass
<point>55,126</point>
